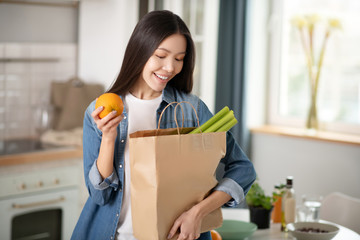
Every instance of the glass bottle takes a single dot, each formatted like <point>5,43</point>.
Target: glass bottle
<point>277,194</point>
<point>288,206</point>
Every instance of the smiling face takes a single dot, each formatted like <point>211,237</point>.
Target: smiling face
<point>161,67</point>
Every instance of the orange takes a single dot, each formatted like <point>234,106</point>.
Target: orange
<point>215,235</point>
<point>110,102</point>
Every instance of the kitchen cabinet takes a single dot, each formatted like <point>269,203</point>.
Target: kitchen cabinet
<point>40,187</point>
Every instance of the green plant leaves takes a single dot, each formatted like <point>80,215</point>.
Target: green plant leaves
<point>256,197</point>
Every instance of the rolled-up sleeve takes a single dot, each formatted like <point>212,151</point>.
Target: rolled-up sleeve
<point>232,188</point>
<point>99,183</point>
<point>239,169</point>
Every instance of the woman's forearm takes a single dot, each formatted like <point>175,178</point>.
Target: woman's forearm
<point>106,157</point>
<point>215,200</point>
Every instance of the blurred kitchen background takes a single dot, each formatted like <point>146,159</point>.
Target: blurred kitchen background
<point>56,56</point>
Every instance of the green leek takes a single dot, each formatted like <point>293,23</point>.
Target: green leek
<point>221,122</point>
<point>211,121</point>
<point>228,125</point>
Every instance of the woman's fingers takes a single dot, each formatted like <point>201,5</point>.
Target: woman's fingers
<point>95,113</point>
<point>107,123</point>
<point>110,121</point>
<point>110,116</point>
<point>182,237</point>
<point>114,121</point>
<point>188,226</point>
<point>174,229</point>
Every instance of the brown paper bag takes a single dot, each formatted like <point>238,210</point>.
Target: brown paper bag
<point>70,100</point>
<point>171,172</point>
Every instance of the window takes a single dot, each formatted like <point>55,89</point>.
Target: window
<point>201,17</point>
<point>339,83</point>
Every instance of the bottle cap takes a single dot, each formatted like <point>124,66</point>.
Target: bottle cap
<point>289,181</point>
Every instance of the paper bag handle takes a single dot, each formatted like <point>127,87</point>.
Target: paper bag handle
<point>162,112</point>
<point>179,104</point>
<point>182,111</point>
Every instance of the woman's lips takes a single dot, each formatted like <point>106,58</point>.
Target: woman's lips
<point>162,78</point>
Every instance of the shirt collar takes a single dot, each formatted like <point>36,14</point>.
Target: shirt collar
<point>168,94</point>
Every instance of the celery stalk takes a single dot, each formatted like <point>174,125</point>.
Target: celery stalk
<point>228,125</point>
<point>221,122</point>
<point>211,121</point>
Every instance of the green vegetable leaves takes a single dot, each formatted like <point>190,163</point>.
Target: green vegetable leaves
<point>222,121</point>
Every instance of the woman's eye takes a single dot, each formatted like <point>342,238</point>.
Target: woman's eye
<point>179,59</point>
<point>160,56</point>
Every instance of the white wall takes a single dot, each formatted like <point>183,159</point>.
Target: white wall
<point>104,29</point>
<point>33,23</point>
<point>317,166</point>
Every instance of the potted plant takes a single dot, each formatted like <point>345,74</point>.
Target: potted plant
<point>260,206</point>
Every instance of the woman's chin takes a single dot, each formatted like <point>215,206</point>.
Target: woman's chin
<point>159,86</point>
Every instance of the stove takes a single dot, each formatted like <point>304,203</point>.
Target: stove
<point>39,201</point>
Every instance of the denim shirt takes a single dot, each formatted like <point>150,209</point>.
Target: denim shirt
<point>100,215</point>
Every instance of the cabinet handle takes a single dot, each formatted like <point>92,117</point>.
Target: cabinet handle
<point>37,204</point>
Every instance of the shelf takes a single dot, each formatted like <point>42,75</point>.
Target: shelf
<point>30,60</point>
<point>308,134</point>
<point>53,3</point>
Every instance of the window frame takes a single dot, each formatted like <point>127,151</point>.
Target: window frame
<point>276,73</point>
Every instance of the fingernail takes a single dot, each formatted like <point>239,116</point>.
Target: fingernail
<point>101,107</point>
<point>169,236</point>
<point>114,112</point>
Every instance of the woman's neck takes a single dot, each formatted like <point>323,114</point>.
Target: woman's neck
<point>144,92</point>
<point>144,95</point>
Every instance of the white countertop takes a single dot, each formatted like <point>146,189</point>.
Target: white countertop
<point>274,233</point>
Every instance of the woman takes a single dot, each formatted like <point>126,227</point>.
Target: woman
<point>157,69</point>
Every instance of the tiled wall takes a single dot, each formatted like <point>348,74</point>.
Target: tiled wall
<point>26,73</point>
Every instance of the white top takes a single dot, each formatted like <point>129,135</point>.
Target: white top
<point>142,118</point>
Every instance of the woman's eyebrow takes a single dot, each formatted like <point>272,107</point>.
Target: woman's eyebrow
<point>166,50</point>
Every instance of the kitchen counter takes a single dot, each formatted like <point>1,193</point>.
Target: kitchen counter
<point>41,156</point>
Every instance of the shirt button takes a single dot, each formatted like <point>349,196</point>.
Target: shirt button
<point>117,214</point>
<point>125,117</point>
<point>120,166</point>
<point>122,140</point>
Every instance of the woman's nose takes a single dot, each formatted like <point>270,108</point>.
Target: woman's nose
<point>169,66</point>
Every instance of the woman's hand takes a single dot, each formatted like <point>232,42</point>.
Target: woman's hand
<point>108,124</point>
<point>188,224</point>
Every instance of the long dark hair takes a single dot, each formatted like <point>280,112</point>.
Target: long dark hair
<point>150,31</point>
